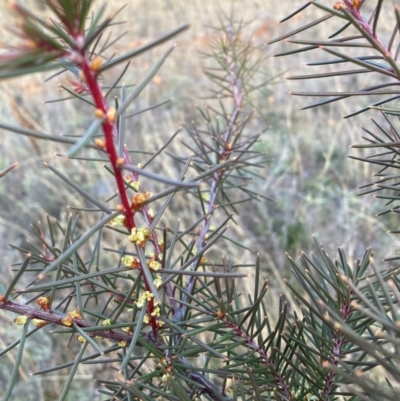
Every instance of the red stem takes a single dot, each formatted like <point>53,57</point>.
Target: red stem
<point>108,127</point>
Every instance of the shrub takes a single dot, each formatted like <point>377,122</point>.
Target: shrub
<point>160,305</point>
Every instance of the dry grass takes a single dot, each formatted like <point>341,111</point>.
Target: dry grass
<point>313,182</point>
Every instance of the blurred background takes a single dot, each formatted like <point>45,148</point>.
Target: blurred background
<point>313,183</point>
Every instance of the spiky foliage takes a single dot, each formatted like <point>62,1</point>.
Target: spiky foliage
<point>355,309</point>
<point>155,306</point>
<point>172,322</point>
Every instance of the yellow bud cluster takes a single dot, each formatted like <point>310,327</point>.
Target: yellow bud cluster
<point>67,320</point>
<point>127,330</point>
<point>135,185</point>
<point>146,296</point>
<point>156,312</point>
<point>158,280</point>
<point>139,235</point>
<point>44,303</point>
<point>139,198</point>
<point>154,265</point>
<point>117,221</point>
<point>81,339</point>
<point>20,320</point>
<point>130,261</point>
<point>39,322</point>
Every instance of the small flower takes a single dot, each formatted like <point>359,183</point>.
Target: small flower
<point>117,221</point>
<point>165,378</point>
<point>194,251</point>
<point>75,314</point>
<point>39,322</point>
<point>158,280</point>
<point>106,322</point>
<point>127,260</point>
<point>151,212</point>
<point>156,312</point>
<point>111,114</point>
<point>148,295</point>
<point>339,6</point>
<point>146,319</point>
<point>100,143</point>
<point>135,185</point>
<point>44,303</point>
<point>139,235</point>
<point>67,320</point>
<point>96,64</point>
<point>81,339</point>
<point>138,199</point>
<point>122,344</point>
<point>140,302</point>
<point>160,323</point>
<point>20,320</point>
<point>127,330</point>
<point>154,265</point>
<point>205,197</point>
<point>98,113</point>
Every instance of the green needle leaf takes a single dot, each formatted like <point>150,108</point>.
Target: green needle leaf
<point>76,245</point>
<point>17,362</point>
<point>93,128</point>
<point>135,336</point>
<point>143,48</point>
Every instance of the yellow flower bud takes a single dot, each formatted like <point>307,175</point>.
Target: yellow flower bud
<point>44,303</point>
<point>96,64</point>
<point>39,322</point>
<point>20,320</point>
<point>81,339</point>
<point>99,113</point>
<point>111,114</point>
